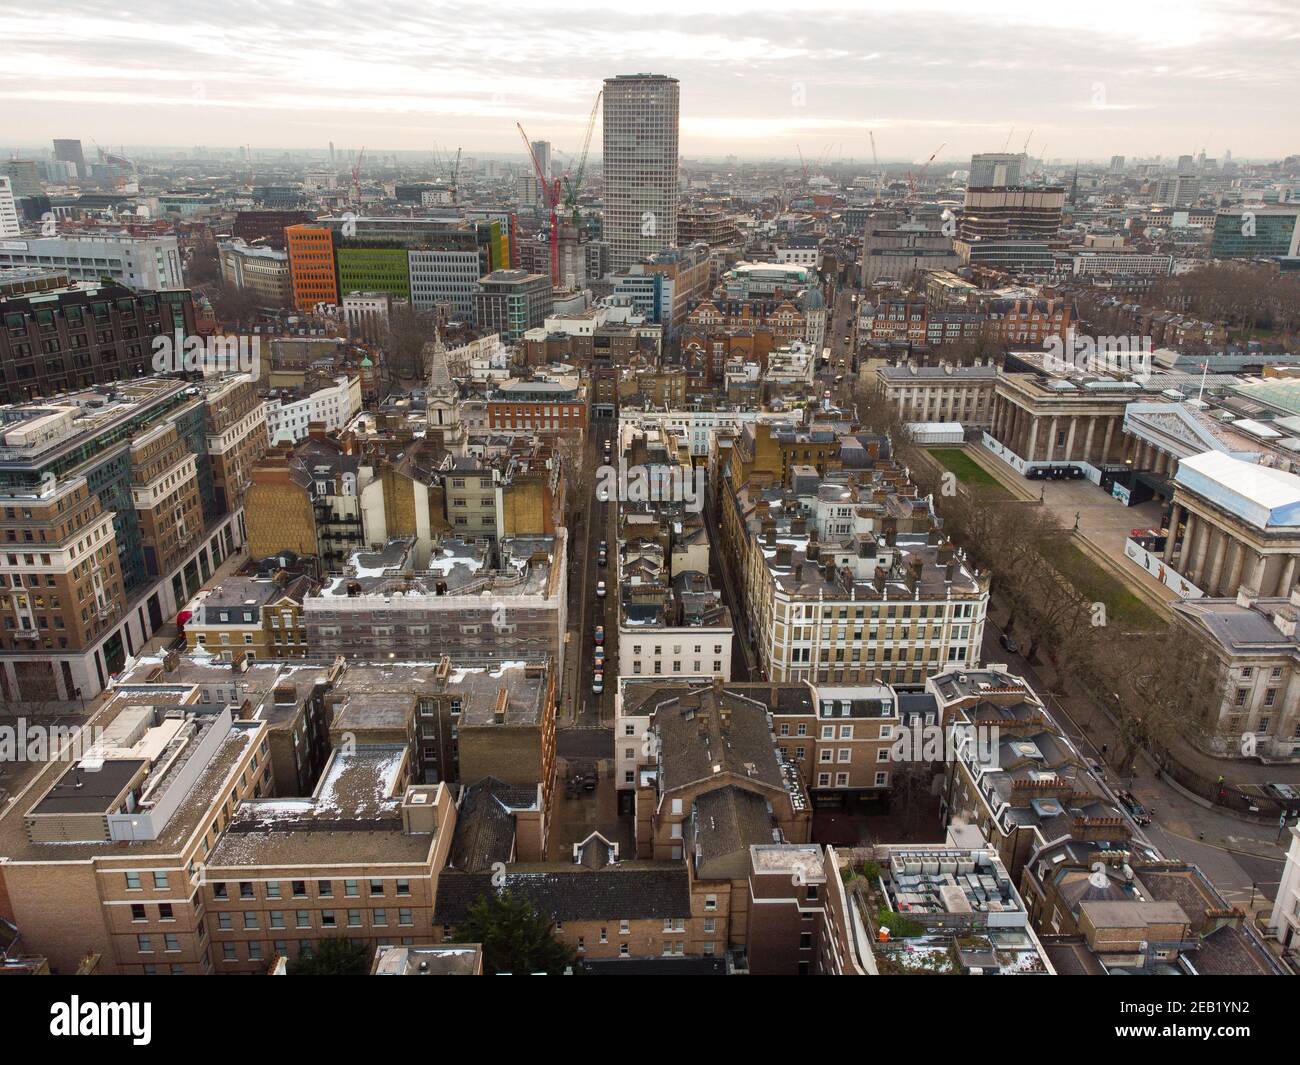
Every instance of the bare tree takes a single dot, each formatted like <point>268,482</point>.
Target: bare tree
<point>404,340</point>
<point>570,450</point>
<point>1160,690</point>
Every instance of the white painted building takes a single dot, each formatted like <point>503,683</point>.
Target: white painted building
<point>792,365</point>
<point>1285,922</point>
<point>334,406</point>
<point>685,651</point>
<point>801,254</point>
<point>138,262</point>
<point>1105,262</point>
<point>697,427</point>
<point>8,209</point>
<point>366,313</point>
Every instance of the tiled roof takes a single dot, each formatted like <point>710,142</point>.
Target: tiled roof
<point>485,829</point>
<point>730,819</point>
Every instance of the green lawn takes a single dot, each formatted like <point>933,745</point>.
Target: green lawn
<point>1095,585</point>
<point>968,471</point>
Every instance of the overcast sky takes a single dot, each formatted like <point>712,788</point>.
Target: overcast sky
<point>1090,79</point>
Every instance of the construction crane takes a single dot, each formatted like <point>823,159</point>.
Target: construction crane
<point>574,185</point>
<point>551,194</point>
<point>448,171</point>
<point>911,179</point>
<point>875,161</point>
<point>802,164</point>
<point>356,175</point>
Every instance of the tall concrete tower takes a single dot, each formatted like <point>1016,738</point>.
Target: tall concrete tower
<point>640,157</point>
<point>542,149</point>
<point>69,151</point>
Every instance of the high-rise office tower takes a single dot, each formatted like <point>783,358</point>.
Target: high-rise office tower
<point>990,170</point>
<point>69,151</point>
<point>24,176</point>
<point>8,210</point>
<point>640,153</point>
<point>542,149</point>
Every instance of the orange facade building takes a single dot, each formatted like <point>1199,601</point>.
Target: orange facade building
<point>311,266</point>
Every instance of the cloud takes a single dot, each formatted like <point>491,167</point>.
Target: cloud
<point>757,76</point>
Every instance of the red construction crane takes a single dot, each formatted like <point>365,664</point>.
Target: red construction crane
<point>911,180</point>
<point>552,191</point>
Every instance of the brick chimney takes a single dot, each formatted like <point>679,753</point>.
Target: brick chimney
<point>1085,828</point>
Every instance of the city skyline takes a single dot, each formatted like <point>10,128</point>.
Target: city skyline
<point>1167,79</point>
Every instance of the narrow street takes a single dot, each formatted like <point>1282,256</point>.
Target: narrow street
<point>744,655</point>
<point>593,522</point>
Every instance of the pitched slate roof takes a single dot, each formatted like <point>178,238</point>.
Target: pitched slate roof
<point>709,731</point>
<point>730,819</point>
<point>485,827</point>
<point>1228,951</point>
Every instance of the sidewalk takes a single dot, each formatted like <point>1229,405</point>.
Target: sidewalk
<point>1095,731</point>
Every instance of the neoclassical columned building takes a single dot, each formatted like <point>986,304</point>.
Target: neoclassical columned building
<point>1161,434</point>
<point>1045,418</point>
<point>1241,526</point>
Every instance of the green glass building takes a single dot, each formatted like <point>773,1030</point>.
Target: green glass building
<point>373,266</point>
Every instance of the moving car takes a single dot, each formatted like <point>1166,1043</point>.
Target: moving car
<point>599,658</point>
<point>1008,643</point>
<point>600,589</point>
<point>603,495</point>
<point>1135,809</point>
<point>600,634</point>
<point>602,554</point>
<point>597,683</point>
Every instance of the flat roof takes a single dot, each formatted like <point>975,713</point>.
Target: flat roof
<point>84,791</point>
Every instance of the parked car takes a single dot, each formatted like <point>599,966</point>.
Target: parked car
<point>1135,809</point>
<point>600,634</point>
<point>600,589</point>
<point>1008,643</point>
